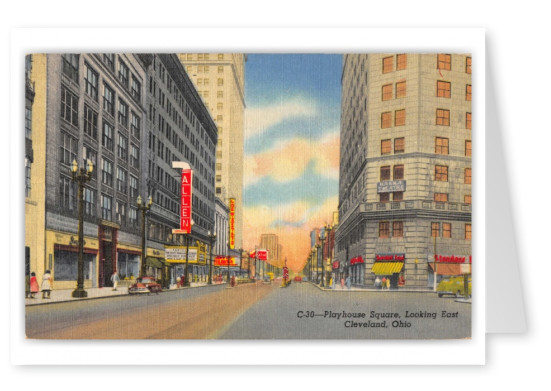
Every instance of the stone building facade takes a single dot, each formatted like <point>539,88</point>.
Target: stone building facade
<point>405,167</point>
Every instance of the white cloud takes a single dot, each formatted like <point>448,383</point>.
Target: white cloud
<point>260,119</point>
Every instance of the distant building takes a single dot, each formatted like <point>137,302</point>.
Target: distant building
<point>405,167</point>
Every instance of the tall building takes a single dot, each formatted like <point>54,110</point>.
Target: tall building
<point>220,80</point>
<point>405,167</point>
<point>130,116</point>
<point>270,242</point>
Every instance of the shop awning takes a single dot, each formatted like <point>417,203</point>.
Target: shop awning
<point>387,268</point>
<point>154,262</point>
<point>447,269</point>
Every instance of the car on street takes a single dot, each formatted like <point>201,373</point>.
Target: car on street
<point>298,279</point>
<point>454,286</point>
<point>146,284</point>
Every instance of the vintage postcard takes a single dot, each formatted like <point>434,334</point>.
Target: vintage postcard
<point>249,196</point>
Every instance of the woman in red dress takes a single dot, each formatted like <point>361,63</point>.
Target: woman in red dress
<point>34,285</point>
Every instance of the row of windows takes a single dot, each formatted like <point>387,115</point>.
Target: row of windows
<point>399,146</point>
<point>444,62</point>
<point>443,90</point>
<point>395,229</point>
<point>440,173</point>
<point>388,63</point>
<point>441,147</point>
<point>206,82</point>
<point>442,118</point>
<point>202,56</point>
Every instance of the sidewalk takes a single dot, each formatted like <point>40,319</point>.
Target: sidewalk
<point>339,288</point>
<point>65,295</point>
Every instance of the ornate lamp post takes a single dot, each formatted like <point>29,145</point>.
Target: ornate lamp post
<point>317,259</point>
<point>322,239</point>
<point>228,259</point>
<point>81,177</point>
<point>328,229</point>
<point>144,208</point>
<point>212,238</point>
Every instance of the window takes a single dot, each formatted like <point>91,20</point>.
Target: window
<point>108,99</point>
<point>440,197</point>
<point>133,187</point>
<point>218,178</point>
<point>468,92</point>
<point>91,82</point>
<point>27,177</point>
<point>441,173</point>
<point>220,82</point>
<point>384,229</point>
<point>468,232</point>
<point>399,145</point>
<point>442,117</point>
<point>385,173</point>
<point>67,194</point>
<point>69,106</point>
<point>89,197</point>
<point>401,89</point>
<point>386,120</point>
<point>442,146</point>
<point>435,230</point>
<point>106,212</point>
<point>134,156</point>
<point>219,106</point>
<point>221,56</point>
<point>123,73</point>
<point>133,217</point>
<point>468,65</point>
<point>122,147</point>
<point>106,172</point>
<point>445,62</point>
<point>218,166</point>
<point>446,230</point>
<point>443,89</point>
<point>387,92</point>
<point>400,117</point>
<point>468,148</point>
<point>388,64</point>
<point>467,199</point>
<point>401,61</point>
<point>123,113</point>
<point>136,89</point>
<point>398,229</point>
<point>90,122</point>
<point>70,66</point>
<point>398,196</point>
<point>120,212</point>
<point>67,149</point>
<point>385,147</point>
<point>468,121</point>
<point>135,125</point>
<point>109,60</point>
<point>468,176</point>
<point>122,180</point>
<point>107,136</point>
<point>28,122</point>
<point>91,155</point>
<point>398,172</point>
<point>220,94</point>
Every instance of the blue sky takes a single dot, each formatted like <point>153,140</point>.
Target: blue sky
<point>292,125</point>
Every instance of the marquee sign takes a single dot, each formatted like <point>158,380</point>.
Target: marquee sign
<point>261,255</point>
<point>185,198</point>
<point>450,259</point>
<point>390,257</point>
<point>223,261</point>
<point>232,223</point>
<point>178,254</point>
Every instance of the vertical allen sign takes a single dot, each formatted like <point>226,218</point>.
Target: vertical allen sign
<point>185,201</point>
<point>232,223</point>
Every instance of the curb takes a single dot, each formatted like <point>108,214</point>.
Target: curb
<point>372,290</point>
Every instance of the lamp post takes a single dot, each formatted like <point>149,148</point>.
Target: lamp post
<point>322,239</point>
<point>144,208</point>
<point>317,259</point>
<point>81,176</point>
<point>186,274</point>
<point>328,229</point>
<point>228,259</point>
<point>212,238</point>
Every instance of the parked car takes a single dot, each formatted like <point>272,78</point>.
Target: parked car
<point>298,279</point>
<point>454,286</point>
<point>146,284</point>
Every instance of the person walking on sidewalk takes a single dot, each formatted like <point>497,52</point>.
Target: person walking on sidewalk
<point>348,282</point>
<point>33,285</point>
<point>46,285</point>
<point>115,280</point>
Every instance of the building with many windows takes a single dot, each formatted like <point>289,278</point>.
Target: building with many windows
<point>220,80</point>
<point>405,167</point>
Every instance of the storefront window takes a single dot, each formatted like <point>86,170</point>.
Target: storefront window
<point>66,265</point>
<point>128,265</point>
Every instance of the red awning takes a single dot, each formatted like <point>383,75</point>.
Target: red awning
<point>447,269</point>
<point>356,260</point>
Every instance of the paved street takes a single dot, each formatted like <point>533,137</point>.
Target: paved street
<point>254,311</point>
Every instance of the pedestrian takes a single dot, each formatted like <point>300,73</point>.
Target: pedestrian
<point>332,283</point>
<point>348,282</point>
<point>33,285</point>
<point>383,283</point>
<point>388,284</point>
<point>115,280</point>
<point>46,285</point>
<point>342,282</point>
<point>377,283</point>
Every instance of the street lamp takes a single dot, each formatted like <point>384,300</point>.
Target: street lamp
<point>328,229</point>
<point>228,259</point>
<point>322,239</point>
<point>212,238</point>
<point>144,208</point>
<point>187,236</point>
<point>81,177</point>
<point>317,257</point>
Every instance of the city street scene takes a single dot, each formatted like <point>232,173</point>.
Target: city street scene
<point>248,196</point>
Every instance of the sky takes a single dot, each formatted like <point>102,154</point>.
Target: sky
<point>292,122</point>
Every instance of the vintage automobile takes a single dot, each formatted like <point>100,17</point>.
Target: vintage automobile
<point>454,286</point>
<point>146,284</point>
<point>298,279</point>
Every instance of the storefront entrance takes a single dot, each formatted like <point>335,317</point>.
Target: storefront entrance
<point>108,257</point>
